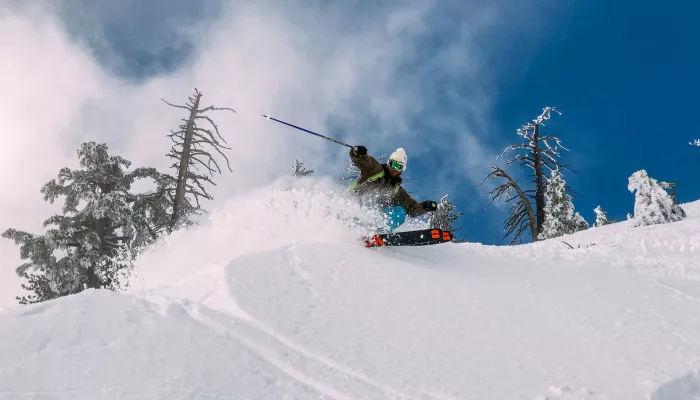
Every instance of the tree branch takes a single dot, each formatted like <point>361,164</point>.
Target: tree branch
<point>521,212</point>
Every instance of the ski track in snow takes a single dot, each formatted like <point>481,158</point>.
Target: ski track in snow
<point>295,263</point>
<point>218,312</point>
<point>291,358</point>
<point>298,362</point>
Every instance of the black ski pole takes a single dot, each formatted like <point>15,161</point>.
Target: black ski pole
<point>308,131</point>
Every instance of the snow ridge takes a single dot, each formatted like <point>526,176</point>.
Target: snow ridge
<point>274,298</point>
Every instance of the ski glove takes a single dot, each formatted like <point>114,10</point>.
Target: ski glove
<point>360,150</point>
<point>429,205</point>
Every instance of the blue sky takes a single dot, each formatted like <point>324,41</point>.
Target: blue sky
<point>624,76</point>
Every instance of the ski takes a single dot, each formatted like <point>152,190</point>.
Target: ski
<point>423,237</point>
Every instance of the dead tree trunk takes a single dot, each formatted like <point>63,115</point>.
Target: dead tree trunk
<point>184,162</point>
<point>192,151</point>
<point>540,188</point>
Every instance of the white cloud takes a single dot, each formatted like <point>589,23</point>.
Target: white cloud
<point>307,63</point>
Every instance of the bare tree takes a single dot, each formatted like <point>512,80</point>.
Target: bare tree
<point>539,153</point>
<point>193,160</point>
<point>522,217</point>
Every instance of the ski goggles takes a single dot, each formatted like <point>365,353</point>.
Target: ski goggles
<point>393,164</point>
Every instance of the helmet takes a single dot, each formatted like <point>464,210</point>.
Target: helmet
<point>399,157</point>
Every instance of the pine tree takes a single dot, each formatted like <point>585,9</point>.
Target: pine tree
<point>538,153</point>
<point>652,204</point>
<point>671,188</point>
<point>101,229</point>
<point>192,151</point>
<point>445,216</point>
<point>300,170</point>
<point>560,218</point>
<point>580,223</point>
<point>601,217</point>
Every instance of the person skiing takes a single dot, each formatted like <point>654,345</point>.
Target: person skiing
<point>381,184</point>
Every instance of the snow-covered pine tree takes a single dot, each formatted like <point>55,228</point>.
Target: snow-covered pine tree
<point>192,151</point>
<point>601,217</point>
<point>560,218</point>
<point>445,217</point>
<point>670,187</point>
<point>300,170</point>
<point>652,204</point>
<point>101,229</point>
<point>538,153</point>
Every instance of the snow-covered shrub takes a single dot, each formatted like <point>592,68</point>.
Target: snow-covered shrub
<point>560,218</point>
<point>652,204</point>
<point>601,217</point>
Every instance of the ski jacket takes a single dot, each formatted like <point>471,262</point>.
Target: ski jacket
<point>376,184</point>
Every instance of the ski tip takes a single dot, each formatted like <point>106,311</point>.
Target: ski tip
<point>373,241</point>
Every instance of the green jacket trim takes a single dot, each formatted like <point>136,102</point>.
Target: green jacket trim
<point>373,178</point>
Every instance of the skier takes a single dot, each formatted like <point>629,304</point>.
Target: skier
<point>382,184</point>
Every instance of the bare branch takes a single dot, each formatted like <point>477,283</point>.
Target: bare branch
<point>198,138</point>
<point>208,165</point>
<point>522,215</point>
<point>175,105</point>
<point>216,128</point>
<point>212,108</point>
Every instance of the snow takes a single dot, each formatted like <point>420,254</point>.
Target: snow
<point>274,298</point>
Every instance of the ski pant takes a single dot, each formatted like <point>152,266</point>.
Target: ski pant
<point>395,216</point>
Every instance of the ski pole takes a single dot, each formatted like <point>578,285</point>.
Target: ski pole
<point>308,131</point>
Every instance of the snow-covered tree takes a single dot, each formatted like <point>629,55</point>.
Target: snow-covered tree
<point>560,218</point>
<point>601,217</point>
<point>300,170</point>
<point>101,228</point>
<point>192,151</point>
<point>445,217</point>
<point>538,154</point>
<point>652,204</point>
<point>670,187</point>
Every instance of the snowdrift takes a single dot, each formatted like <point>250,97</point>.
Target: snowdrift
<point>102,345</point>
<point>275,298</point>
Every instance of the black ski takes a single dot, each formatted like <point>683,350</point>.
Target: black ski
<point>421,237</point>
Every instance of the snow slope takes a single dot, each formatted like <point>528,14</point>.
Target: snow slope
<point>275,299</point>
